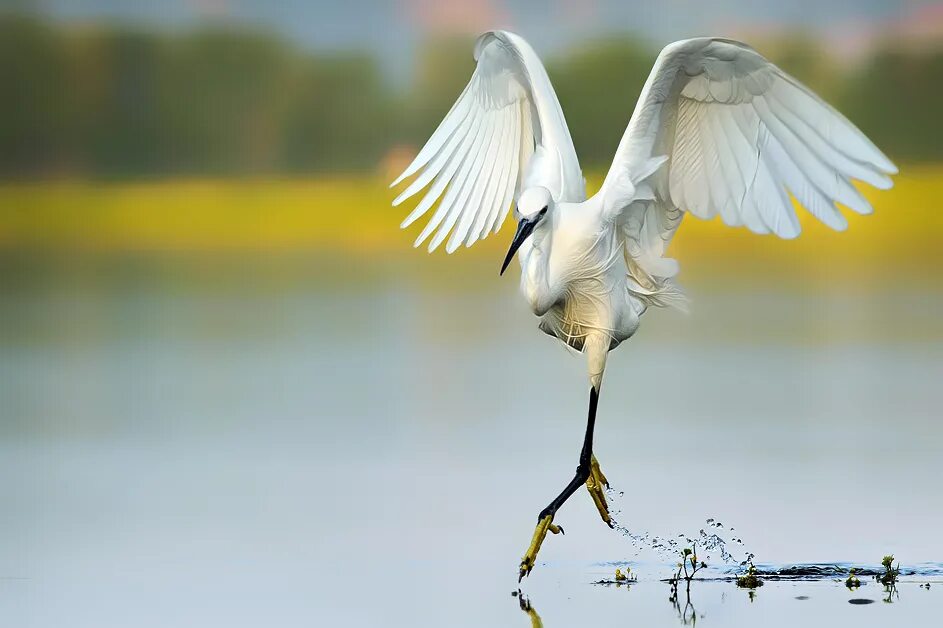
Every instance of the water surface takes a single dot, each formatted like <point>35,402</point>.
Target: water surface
<point>375,453</point>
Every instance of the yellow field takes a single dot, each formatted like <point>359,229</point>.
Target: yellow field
<point>353,214</point>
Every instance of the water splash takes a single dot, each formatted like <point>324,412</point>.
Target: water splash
<point>711,542</point>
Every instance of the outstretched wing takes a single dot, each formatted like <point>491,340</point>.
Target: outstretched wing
<point>504,133</point>
<point>735,135</point>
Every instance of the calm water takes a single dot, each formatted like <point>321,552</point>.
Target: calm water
<point>375,453</point>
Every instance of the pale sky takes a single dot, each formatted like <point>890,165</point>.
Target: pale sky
<point>392,28</point>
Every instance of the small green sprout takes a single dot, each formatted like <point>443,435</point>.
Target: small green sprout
<point>852,582</point>
<point>889,577</point>
<point>687,568</point>
<point>749,580</point>
<point>689,558</point>
<point>621,577</point>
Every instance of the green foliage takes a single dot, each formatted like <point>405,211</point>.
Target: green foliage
<point>34,120</point>
<point>598,86</point>
<point>442,70</point>
<point>337,116</point>
<point>119,101</point>
<point>894,99</point>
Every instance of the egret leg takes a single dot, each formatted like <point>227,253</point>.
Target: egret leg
<point>583,473</point>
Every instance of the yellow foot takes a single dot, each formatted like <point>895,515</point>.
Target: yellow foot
<point>544,525</point>
<point>594,484</point>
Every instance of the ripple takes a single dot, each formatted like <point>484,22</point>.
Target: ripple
<point>790,572</point>
<point>823,571</point>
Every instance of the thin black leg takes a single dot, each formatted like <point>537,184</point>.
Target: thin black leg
<point>584,467</point>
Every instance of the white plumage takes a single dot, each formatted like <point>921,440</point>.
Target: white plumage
<point>717,130</point>
<point>487,149</point>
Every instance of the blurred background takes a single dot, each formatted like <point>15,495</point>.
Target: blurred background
<point>229,387</point>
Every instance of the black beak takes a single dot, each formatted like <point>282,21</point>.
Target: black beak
<point>524,229</point>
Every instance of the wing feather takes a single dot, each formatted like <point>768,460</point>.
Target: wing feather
<point>436,166</point>
<point>502,198</point>
<point>481,154</point>
<point>484,165</point>
<point>462,159</point>
<point>740,135</point>
<point>452,120</point>
<point>505,206</point>
<point>463,185</point>
<point>496,161</point>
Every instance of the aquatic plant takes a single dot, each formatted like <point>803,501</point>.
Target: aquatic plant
<point>687,568</point>
<point>688,559</point>
<point>620,578</point>
<point>749,580</point>
<point>889,577</point>
<point>852,582</point>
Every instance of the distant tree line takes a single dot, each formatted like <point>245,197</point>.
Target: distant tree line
<point>111,101</point>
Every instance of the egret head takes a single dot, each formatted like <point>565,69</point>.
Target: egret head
<point>531,209</point>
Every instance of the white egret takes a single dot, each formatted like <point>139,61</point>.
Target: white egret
<point>717,129</point>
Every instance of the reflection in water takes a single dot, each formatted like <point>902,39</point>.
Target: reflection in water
<point>686,612</point>
<point>892,593</point>
<point>526,606</point>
